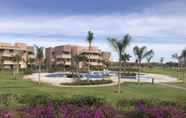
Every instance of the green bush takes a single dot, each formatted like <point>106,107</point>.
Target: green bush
<point>86,100</point>
<point>35,100</point>
<point>88,82</point>
<point>7,99</point>
<point>43,100</point>
<point>28,71</point>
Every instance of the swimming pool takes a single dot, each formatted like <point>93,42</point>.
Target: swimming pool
<point>56,75</point>
<point>89,76</point>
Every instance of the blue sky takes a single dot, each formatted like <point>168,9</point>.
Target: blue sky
<point>158,24</point>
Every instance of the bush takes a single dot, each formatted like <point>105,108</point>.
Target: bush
<point>86,100</point>
<point>43,100</point>
<point>128,74</point>
<point>7,99</point>
<point>88,82</point>
<point>73,76</point>
<point>35,100</point>
<point>144,111</point>
<point>150,102</point>
<point>28,71</point>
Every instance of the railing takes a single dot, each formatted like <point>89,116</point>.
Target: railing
<point>63,56</point>
<point>6,54</point>
<point>8,62</point>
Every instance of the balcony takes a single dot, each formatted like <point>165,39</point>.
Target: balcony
<point>94,57</point>
<point>63,63</point>
<point>31,56</point>
<point>6,54</point>
<point>63,56</point>
<point>6,62</point>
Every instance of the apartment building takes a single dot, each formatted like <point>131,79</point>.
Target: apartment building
<point>62,55</point>
<point>9,51</point>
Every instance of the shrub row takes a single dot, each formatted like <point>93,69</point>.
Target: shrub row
<point>46,106</point>
<point>88,82</point>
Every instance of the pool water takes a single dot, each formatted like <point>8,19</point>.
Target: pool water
<point>89,76</point>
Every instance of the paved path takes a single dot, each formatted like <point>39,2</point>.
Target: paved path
<point>173,86</point>
<point>161,79</point>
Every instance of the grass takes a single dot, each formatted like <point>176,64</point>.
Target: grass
<point>173,72</point>
<point>129,90</point>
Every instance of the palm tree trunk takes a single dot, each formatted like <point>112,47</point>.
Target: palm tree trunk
<point>139,64</point>
<point>178,71</point>
<point>78,70</point>
<point>39,76</point>
<point>183,75</point>
<point>119,77</point>
<point>64,66</point>
<point>17,70</point>
<point>89,58</point>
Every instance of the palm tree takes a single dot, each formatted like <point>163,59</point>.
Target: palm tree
<point>125,57</point>
<point>18,59</point>
<point>39,59</point>
<point>120,47</point>
<point>89,39</point>
<point>106,64</point>
<point>31,62</point>
<point>149,57</point>
<point>176,57</point>
<point>77,59</point>
<point>1,63</point>
<point>161,60</point>
<point>140,54</point>
<point>183,57</point>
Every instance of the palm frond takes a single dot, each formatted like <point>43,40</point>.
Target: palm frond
<point>113,43</point>
<point>126,41</point>
<point>90,37</point>
<point>148,53</point>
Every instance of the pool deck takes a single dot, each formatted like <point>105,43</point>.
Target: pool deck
<point>56,81</point>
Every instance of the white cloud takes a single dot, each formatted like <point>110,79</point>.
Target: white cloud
<point>162,20</point>
<point>102,25</point>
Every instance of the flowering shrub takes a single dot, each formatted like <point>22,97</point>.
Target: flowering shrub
<point>93,107</point>
<point>158,111</point>
<point>5,114</point>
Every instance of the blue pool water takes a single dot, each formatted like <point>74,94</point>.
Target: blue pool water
<point>90,76</point>
<point>56,75</point>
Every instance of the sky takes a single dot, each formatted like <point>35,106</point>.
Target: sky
<point>158,24</point>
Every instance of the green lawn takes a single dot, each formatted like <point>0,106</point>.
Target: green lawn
<point>129,90</point>
<point>164,70</point>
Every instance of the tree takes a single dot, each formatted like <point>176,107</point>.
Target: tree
<point>89,39</point>
<point>39,59</point>
<point>141,53</point>
<point>183,58</point>
<point>125,57</point>
<point>29,61</point>
<point>120,47</point>
<point>161,60</point>
<point>1,63</point>
<point>18,59</point>
<point>149,57</point>
<point>106,63</point>
<point>77,59</point>
<point>176,57</point>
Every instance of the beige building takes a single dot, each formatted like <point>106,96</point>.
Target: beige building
<point>9,51</point>
<point>62,55</point>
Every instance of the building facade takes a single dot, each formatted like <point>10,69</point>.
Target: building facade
<point>8,53</point>
<point>62,55</point>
